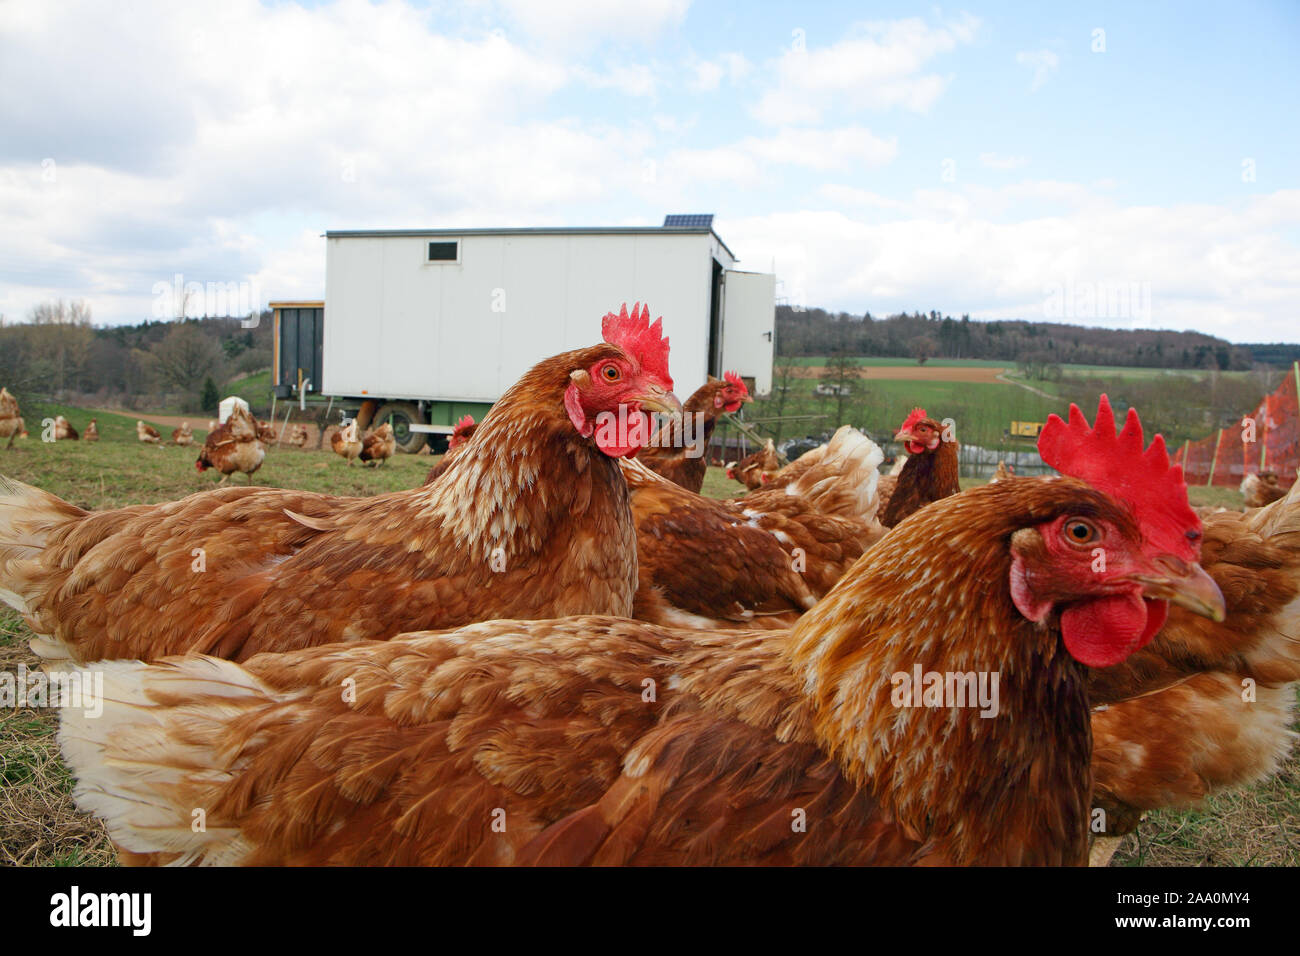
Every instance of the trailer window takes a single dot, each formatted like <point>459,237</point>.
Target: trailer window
<point>442,251</point>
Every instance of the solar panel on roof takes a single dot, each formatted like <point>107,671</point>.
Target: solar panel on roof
<point>694,220</point>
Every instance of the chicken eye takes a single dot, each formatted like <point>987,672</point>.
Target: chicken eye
<point>611,373</point>
<point>1080,532</point>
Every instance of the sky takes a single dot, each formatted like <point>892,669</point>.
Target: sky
<point>1117,164</point>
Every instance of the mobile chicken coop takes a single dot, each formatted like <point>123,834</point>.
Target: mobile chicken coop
<point>422,326</point>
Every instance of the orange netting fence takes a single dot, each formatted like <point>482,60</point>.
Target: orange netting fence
<point>1266,438</point>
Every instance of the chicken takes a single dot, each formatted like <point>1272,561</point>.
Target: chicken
<point>11,422</point>
<point>1262,488</point>
<point>92,431</point>
<point>759,561</point>
<point>532,521</point>
<point>299,436</point>
<point>1207,706</point>
<point>147,433</point>
<point>63,430</point>
<point>183,435</point>
<point>1000,473</point>
<point>930,473</point>
<point>266,432</point>
<point>460,435</point>
<point>345,442</point>
<point>678,449</point>
<point>758,469</point>
<point>379,445</point>
<point>233,447</point>
<point>595,740</point>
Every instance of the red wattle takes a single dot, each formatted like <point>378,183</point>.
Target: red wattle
<point>624,436</point>
<point>1104,631</point>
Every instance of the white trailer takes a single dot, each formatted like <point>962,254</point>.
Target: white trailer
<point>431,324</point>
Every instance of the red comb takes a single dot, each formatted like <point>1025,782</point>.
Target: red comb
<point>463,424</point>
<point>916,415</point>
<point>735,380</point>
<point>1144,480</point>
<point>638,338</point>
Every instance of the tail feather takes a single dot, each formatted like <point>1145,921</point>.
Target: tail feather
<point>158,750</point>
<point>27,517</point>
<point>840,478</point>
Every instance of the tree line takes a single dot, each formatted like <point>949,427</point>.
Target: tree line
<point>60,355</point>
<point>1039,345</point>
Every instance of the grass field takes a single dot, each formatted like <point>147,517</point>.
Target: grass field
<point>40,826</point>
<point>981,410</point>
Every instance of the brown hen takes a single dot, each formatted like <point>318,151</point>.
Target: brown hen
<point>532,521</point>
<point>684,461</point>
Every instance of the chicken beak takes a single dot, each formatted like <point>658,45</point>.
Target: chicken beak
<point>905,435</point>
<point>1194,589</point>
<point>658,399</point>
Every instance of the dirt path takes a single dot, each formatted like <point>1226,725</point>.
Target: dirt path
<point>1029,388</point>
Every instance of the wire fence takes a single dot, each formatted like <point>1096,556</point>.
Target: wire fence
<point>1267,438</point>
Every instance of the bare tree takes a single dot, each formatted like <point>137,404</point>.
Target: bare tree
<point>185,357</point>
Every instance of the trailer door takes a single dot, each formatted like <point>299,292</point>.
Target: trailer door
<point>749,326</point>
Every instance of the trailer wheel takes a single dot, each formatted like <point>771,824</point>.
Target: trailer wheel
<point>403,415</point>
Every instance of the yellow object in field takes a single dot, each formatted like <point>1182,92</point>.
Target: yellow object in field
<point>1027,429</point>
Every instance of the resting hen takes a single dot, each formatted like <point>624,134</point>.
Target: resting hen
<point>233,447</point>
<point>758,561</point>
<point>11,422</point>
<point>757,469</point>
<point>92,431</point>
<point>1261,489</point>
<point>379,445</point>
<point>531,521</point>
<point>930,473</point>
<point>63,430</point>
<point>596,740</point>
<point>184,435</point>
<point>147,433</point>
<point>679,454</point>
<point>346,443</point>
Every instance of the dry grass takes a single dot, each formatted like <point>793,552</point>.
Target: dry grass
<point>39,824</point>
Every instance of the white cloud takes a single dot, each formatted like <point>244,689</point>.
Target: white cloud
<point>842,195</point>
<point>707,75</point>
<point>748,160</point>
<point>581,23</point>
<point>997,161</point>
<point>1221,269</point>
<point>878,65</point>
<point>1042,62</point>
<point>632,79</point>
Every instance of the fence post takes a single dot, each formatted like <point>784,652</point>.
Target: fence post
<point>1215,460</point>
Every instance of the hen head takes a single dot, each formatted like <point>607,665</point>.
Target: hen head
<point>611,398</point>
<point>461,433</point>
<point>919,433</point>
<point>732,394</point>
<point>1111,567</point>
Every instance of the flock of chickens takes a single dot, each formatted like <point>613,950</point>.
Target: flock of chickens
<point>556,651</point>
<point>237,445</point>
